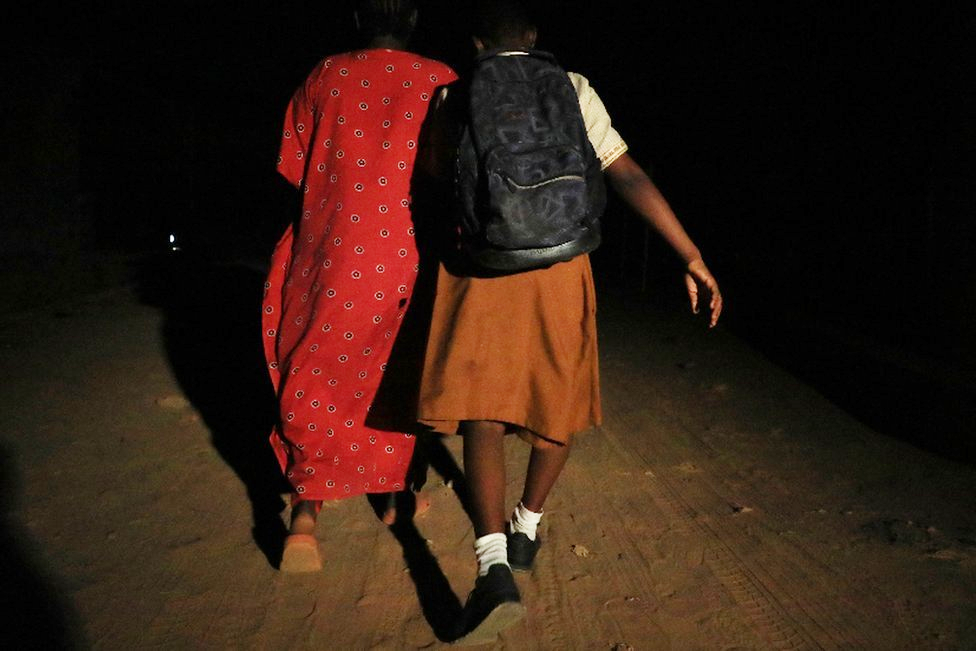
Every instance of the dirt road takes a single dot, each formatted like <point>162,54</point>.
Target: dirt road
<point>723,505</point>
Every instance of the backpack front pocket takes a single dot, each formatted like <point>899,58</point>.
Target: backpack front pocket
<point>536,198</point>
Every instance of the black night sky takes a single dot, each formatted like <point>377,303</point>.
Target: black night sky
<point>821,154</point>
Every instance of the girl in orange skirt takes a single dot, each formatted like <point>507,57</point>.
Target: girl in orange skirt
<point>518,353</point>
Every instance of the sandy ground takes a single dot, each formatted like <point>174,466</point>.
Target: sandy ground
<point>723,505</point>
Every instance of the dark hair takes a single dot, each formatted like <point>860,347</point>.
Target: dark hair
<point>502,23</point>
<point>386,18</point>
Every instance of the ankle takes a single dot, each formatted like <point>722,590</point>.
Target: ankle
<point>303,517</point>
<point>491,549</point>
<point>531,506</point>
<point>525,520</point>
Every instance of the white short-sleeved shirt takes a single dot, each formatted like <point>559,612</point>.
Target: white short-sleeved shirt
<point>607,143</point>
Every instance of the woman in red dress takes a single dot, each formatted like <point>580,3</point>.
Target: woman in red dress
<point>342,276</point>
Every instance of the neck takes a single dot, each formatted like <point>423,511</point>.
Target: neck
<point>388,42</point>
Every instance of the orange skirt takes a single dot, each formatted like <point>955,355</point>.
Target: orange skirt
<point>519,349</point>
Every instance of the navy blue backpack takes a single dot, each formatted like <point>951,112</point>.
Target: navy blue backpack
<point>529,186</point>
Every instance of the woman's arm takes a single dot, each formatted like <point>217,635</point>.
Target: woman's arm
<point>637,189</point>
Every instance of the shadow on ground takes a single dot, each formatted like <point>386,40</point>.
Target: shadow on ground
<point>38,616</point>
<point>440,606</point>
<point>212,335</point>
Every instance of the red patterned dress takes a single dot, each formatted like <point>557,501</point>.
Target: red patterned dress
<point>340,280</point>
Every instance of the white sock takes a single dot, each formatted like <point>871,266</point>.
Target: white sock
<point>491,550</point>
<point>525,521</point>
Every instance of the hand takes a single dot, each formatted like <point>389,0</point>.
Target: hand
<point>697,274</point>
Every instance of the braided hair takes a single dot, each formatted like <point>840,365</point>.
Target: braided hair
<point>395,18</point>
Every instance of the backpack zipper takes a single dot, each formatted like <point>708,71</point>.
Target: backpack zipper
<point>566,177</point>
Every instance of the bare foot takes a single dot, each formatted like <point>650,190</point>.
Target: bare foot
<point>301,551</point>
<point>303,516</point>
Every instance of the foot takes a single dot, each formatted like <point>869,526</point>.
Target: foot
<point>522,551</point>
<point>303,516</point>
<point>421,504</point>
<point>492,606</point>
<point>301,554</point>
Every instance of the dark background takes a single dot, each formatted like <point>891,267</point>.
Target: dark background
<point>821,154</point>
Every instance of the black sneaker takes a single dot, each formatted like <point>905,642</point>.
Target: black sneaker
<point>521,551</point>
<point>492,606</point>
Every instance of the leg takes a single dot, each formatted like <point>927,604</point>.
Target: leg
<point>545,466</point>
<point>484,470</point>
<point>494,604</point>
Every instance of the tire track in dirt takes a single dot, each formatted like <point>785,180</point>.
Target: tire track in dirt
<point>770,620</point>
<point>732,506</point>
<point>619,558</point>
<point>664,553</point>
<point>792,594</point>
<point>792,600</point>
<point>834,608</point>
<point>684,419</point>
